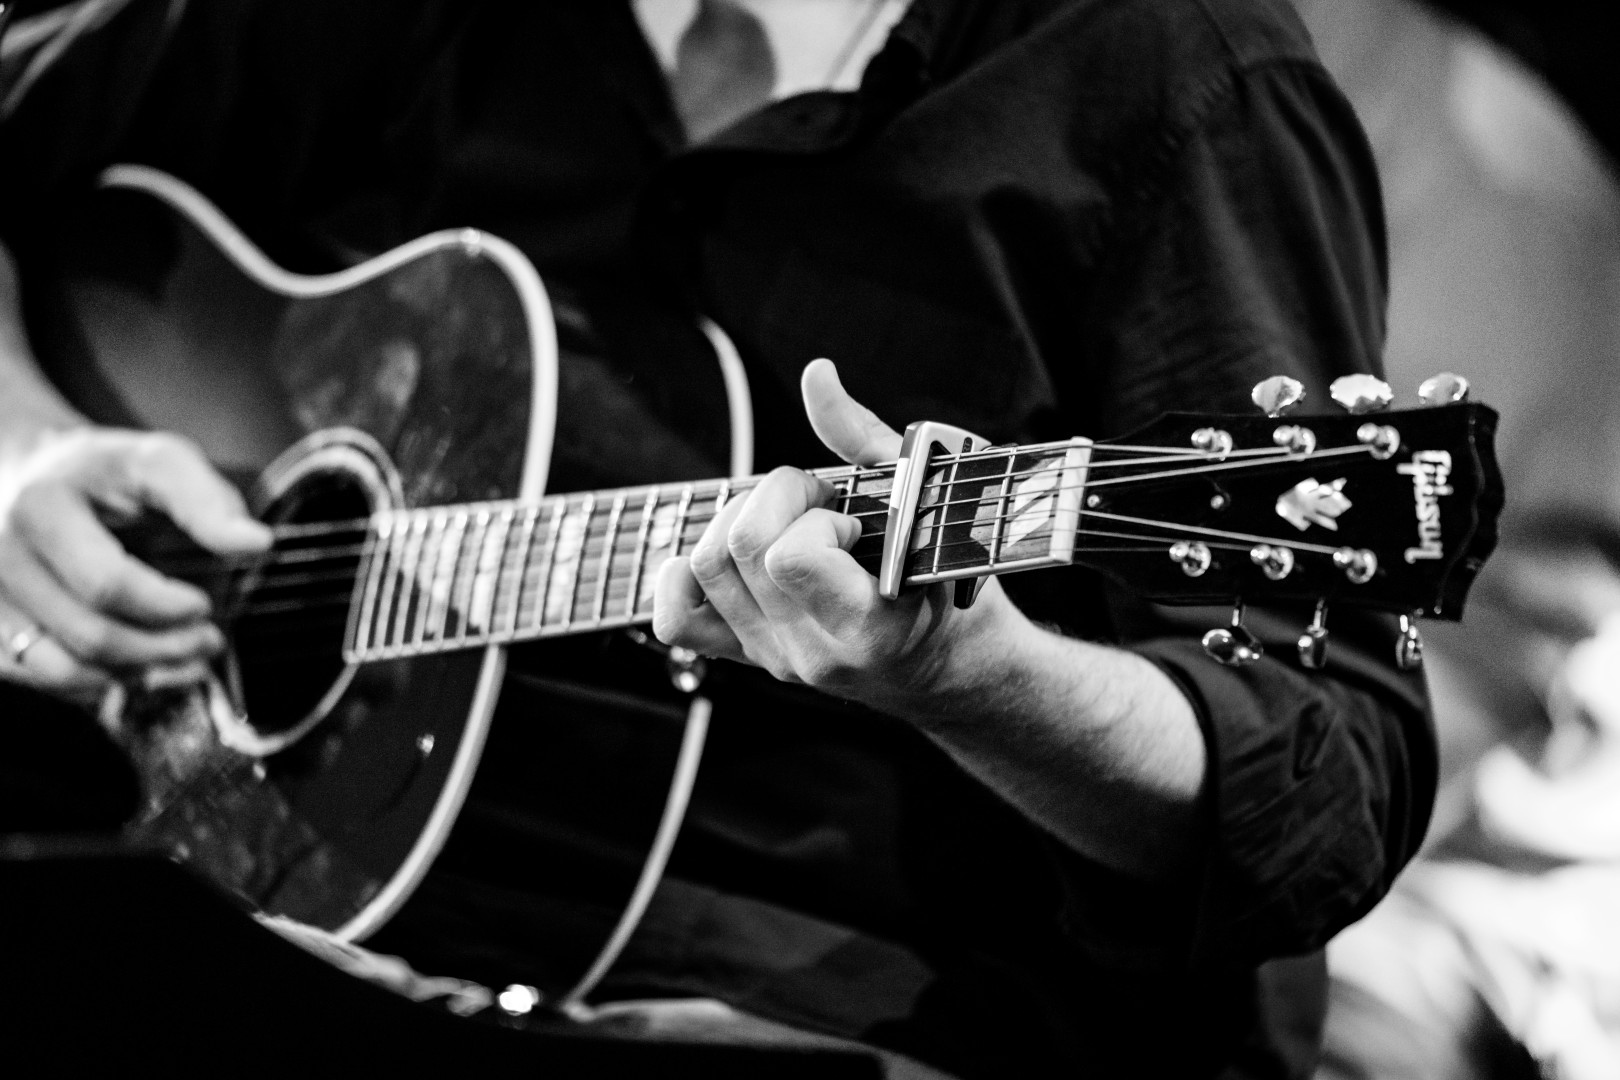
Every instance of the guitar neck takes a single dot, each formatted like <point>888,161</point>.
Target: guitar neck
<point>454,577</point>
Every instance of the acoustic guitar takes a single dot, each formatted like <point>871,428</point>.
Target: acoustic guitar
<point>397,418</point>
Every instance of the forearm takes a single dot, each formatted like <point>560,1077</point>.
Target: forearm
<point>1095,744</point>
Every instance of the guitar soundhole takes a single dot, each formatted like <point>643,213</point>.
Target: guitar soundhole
<point>292,613</point>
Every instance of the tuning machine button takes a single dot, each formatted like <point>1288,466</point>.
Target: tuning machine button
<point>1443,389</point>
<point>1274,561</point>
<point>1193,555</point>
<point>1213,441</point>
<point>1277,394</point>
<point>1381,439</point>
<point>1234,645</point>
<point>1313,643</point>
<point>1295,439</point>
<point>1361,393</point>
<point>1409,646</point>
<point>1358,564</point>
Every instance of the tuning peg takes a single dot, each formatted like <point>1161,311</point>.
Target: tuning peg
<point>1278,394</point>
<point>1234,646</point>
<point>1409,648</point>
<point>1361,393</point>
<point>1443,389</point>
<point>1313,643</point>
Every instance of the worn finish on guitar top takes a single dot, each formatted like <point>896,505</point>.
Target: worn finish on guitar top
<point>152,325</point>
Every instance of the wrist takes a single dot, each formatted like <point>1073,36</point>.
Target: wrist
<point>973,661</point>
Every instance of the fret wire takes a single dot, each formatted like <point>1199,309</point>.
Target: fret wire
<point>947,491</point>
<point>508,516</point>
<point>456,552</point>
<point>415,596</point>
<point>681,510</point>
<point>548,563</point>
<point>359,633</point>
<point>387,590</point>
<point>475,555</point>
<point>434,608</point>
<point>408,578</point>
<point>615,516</point>
<point>638,557</point>
<point>587,511</point>
<point>525,552</point>
<point>998,530</point>
<point>446,573</point>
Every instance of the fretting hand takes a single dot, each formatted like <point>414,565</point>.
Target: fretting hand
<point>772,582</point>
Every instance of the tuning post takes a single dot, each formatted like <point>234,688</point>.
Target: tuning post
<point>1361,393</point>
<point>1409,646</point>
<point>1193,555</point>
<point>1277,394</point>
<point>1381,439</point>
<point>1276,562</point>
<point>1313,643</point>
<point>1234,645</point>
<point>1213,441</point>
<point>1443,389</point>
<point>1297,440</point>
<point>1358,564</point>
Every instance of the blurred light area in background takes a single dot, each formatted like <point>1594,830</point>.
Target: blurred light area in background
<point>1500,948</point>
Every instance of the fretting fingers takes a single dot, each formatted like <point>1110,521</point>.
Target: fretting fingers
<point>682,615</point>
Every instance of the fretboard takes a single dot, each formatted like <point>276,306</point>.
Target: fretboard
<point>453,577</point>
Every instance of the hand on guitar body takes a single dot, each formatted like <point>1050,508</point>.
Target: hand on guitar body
<point>79,611</point>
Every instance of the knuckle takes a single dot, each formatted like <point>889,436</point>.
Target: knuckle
<point>781,669</point>
<point>788,566</point>
<point>102,587</point>
<point>669,627</point>
<point>95,642</point>
<point>747,543</point>
<point>710,560</point>
<point>30,505</point>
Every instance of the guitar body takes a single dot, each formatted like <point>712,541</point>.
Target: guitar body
<point>420,378</point>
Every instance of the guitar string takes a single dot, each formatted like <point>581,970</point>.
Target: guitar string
<point>588,580</point>
<point>226,565</point>
<point>1154,455</point>
<point>524,610</point>
<point>628,542</point>
<point>502,625</point>
<point>591,561</point>
<point>633,548</point>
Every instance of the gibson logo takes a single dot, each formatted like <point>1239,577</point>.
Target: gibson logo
<point>1430,471</point>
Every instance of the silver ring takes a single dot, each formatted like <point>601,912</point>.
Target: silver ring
<point>20,642</point>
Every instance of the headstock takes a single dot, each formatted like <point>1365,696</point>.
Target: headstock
<point>1368,507</point>
<point>1393,510</point>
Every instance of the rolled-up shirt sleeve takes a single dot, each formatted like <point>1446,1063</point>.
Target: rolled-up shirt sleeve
<point>1261,252</point>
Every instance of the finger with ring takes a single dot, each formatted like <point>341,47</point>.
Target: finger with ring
<point>20,642</point>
